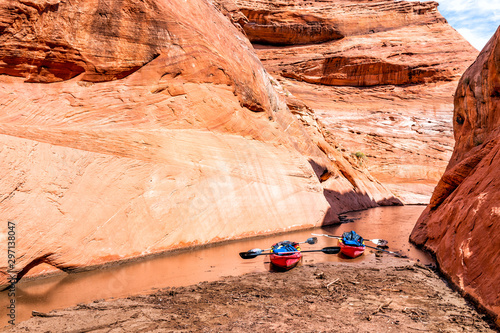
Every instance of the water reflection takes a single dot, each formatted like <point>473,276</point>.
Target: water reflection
<point>207,264</point>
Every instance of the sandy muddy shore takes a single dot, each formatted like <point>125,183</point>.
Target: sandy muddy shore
<point>386,294</point>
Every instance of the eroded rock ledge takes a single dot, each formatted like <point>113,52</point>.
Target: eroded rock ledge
<point>379,75</point>
<point>312,22</point>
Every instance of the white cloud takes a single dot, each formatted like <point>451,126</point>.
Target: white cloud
<point>478,40</point>
<point>475,20</point>
<point>484,7</point>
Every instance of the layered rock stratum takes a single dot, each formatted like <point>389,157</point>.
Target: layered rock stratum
<point>379,76</point>
<point>461,226</point>
<point>130,128</point>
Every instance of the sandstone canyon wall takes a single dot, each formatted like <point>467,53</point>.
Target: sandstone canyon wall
<point>378,75</point>
<point>129,128</point>
<point>461,226</point>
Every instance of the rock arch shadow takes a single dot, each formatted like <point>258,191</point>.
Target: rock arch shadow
<point>45,259</point>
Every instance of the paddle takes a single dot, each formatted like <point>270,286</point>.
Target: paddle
<point>310,240</point>
<point>395,253</point>
<point>327,250</point>
<point>376,241</point>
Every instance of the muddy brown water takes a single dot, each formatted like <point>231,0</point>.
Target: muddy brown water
<point>208,264</point>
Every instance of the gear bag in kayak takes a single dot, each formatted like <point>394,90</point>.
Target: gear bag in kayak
<point>285,247</point>
<point>351,238</point>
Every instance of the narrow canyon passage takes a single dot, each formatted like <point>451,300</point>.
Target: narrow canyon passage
<point>143,144</point>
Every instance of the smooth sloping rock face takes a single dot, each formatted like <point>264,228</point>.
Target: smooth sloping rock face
<point>129,128</point>
<point>462,223</point>
<point>382,84</point>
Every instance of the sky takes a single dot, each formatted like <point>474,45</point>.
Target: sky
<point>475,20</point>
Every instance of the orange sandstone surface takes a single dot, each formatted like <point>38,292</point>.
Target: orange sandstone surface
<point>378,75</point>
<point>130,128</point>
<point>461,226</point>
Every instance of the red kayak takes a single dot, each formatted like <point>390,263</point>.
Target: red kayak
<point>351,251</point>
<point>285,255</point>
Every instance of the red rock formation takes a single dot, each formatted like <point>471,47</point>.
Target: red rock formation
<point>291,23</point>
<point>461,226</point>
<point>129,128</point>
<point>382,83</point>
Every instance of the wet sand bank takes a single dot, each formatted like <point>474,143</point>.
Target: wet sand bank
<point>382,294</point>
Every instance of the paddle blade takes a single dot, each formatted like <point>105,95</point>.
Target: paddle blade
<point>379,242</point>
<point>399,255</point>
<point>250,254</point>
<point>331,250</point>
<point>312,240</point>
